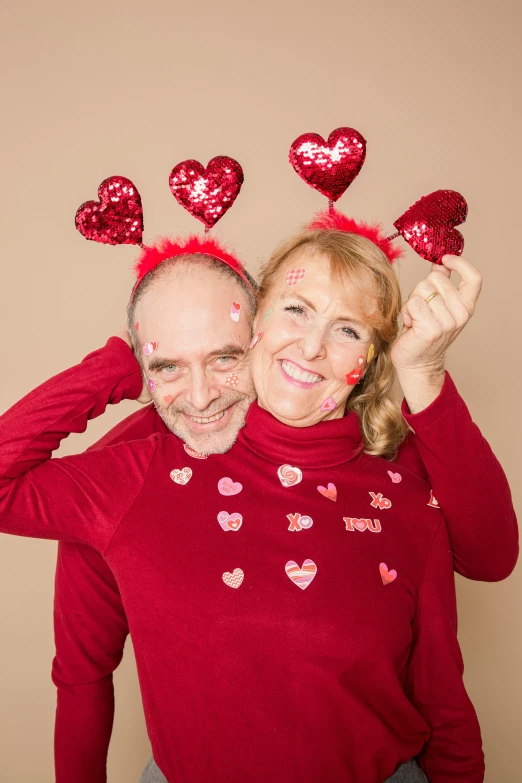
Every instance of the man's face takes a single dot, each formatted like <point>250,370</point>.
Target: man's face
<point>194,354</point>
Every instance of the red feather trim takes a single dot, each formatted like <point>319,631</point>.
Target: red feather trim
<point>153,255</point>
<point>334,220</point>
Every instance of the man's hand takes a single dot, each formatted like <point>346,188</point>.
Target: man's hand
<point>145,397</point>
<point>431,327</point>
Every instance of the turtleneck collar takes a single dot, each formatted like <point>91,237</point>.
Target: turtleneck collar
<point>325,444</point>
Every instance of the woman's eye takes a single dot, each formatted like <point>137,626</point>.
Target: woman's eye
<point>350,333</point>
<point>294,309</point>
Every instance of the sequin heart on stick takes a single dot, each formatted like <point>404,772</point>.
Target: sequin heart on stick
<point>329,166</point>
<point>207,193</point>
<point>429,225</point>
<point>117,218</point>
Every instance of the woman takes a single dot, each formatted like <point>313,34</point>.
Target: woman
<point>309,629</point>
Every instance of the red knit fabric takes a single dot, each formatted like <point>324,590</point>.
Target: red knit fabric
<point>341,681</point>
<point>334,220</point>
<point>153,255</point>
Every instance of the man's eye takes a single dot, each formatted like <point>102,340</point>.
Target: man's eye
<point>225,359</point>
<point>168,369</point>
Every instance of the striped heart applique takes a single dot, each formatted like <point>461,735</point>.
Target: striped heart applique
<point>234,579</point>
<point>387,576</point>
<point>304,576</point>
<point>288,476</point>
<point>229,521</point>
<point>182,476</point>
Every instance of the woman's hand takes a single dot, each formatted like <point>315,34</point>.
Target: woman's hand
<point>124,334</point>
<point>431,327</point>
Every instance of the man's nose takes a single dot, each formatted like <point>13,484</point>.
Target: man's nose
<point>202,390</point>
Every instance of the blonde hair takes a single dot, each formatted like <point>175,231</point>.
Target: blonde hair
<point>358,259</point>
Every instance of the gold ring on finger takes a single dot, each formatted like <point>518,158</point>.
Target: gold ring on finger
<point>432,296</point>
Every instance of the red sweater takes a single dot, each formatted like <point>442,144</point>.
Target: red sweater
<point>290,689</point>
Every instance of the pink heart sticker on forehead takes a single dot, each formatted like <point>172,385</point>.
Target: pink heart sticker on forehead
<point>235,311</point>
<point>294,276</point>
<point>149,348</point>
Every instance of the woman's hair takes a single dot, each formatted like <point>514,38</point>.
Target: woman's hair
<point>355,258</point>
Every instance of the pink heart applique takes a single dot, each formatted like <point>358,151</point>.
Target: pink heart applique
<point>229,521</point>
<point>304,576</point>
<point>387,576</point>
<point>182,476</point>
<point>395,477</point>
<point>234,579</point>
<point>235,311</point>
<point>329,404</point>
<point>294,276</point>
<point>330,493</point>
<point>228,487</point>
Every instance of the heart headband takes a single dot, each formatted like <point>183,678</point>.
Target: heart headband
<point>331,166</point>
<point>117,218</point>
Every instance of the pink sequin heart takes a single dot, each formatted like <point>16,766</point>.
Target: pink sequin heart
<point>330,492</point>
<point>182,476</point>
<point>229,521</point>
<point>294,276</point>
<point>387,576</point>
<point>228,487</point>
<point>304,576</point>
<point>234,579</point>
<point>329,404</point>
<point>395,477</point>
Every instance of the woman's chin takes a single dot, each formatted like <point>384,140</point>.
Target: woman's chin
<point>289,411</point>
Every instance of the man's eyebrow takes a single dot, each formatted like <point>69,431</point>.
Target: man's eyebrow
<point>311,306</point>
<point>231,349</point>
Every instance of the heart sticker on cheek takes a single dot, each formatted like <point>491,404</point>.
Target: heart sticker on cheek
<point>235,311</point>
<point>255,339</point>
<point>137,325</point>
<point>149,348</point>
<point>360,361</point>
<point>168,399</point>
<point>329,404</point>
<point>151,385</point>
<point>294,276</point>
<point>232,380</point>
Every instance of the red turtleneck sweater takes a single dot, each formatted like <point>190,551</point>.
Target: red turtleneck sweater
<point>279,629</point>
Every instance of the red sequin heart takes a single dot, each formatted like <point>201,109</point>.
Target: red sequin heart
<point>207,193</point>
<point>117,218</point>
<point>428,225</point>
<point>329,166</point>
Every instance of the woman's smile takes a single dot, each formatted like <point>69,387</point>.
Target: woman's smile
<point>299,376</point>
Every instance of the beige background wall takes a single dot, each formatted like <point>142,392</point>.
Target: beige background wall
<point>98,88</point>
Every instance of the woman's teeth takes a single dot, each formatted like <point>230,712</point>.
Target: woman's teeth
<point>300,375</point>
<point>201,420</point>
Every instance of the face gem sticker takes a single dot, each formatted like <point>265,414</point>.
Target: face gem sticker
<point>232,380</point>
<point>328,405</point>
<point>330,492</point>
<point>235,311</point>
<point>387,576</point>
<point>234,579</point>
<point>149,348</point>
<point>379,502</point>
<point>395,477</point>
<point>168,399</point>
<point>182,476</point>
<point>360,361</point>
<point>229,521</point>
<point>268,315</point>
<point>371,353</point>
<point>137,325</point>
<point>298,522</point>
<point>304,576</point>
<point>433,500</point>
<point>288,476</point>
<point>353,377</point>
<point>294,276</point>
<point>151,385</point>
<point>192,453</point>
<point>255,339</point>
<point>228,487</point>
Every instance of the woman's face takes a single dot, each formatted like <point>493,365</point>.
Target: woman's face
<point>314,345</point>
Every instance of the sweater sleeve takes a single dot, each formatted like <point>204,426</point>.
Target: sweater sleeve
<point>71,498</point>
<point>90,632</point>
<point>434,682</point>
<point>466,478</point>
